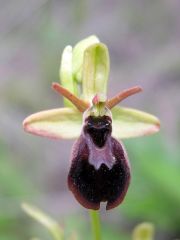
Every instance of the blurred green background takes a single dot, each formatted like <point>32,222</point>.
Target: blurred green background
<point>143,38</point>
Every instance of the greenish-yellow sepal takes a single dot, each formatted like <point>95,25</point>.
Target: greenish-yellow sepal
<point>78,55</point>
<point>58,123</point>
<point>95,70</point>
<point>65,73</point>
<point>128,123</point>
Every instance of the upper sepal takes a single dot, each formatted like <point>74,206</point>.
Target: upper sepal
<point>128,123</point>
<point>56,123</point>
<point>95,71</point>
<point>78,56</point>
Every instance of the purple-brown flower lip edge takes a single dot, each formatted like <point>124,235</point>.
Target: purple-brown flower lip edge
<point>92,185</point>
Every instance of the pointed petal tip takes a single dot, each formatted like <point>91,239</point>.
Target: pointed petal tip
<point>155,126</point>
<point>123,95</point>
<point>154,129</point>
<point>54,85</point>
<point>140,88</point>
<point>29,128</point>
<point>25,124</point>
<point>130,123</point>
<point>158,124</point>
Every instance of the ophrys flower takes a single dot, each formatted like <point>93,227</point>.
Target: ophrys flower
<point>100,169</point>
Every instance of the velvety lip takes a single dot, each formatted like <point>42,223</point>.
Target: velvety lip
<point>92,186</point>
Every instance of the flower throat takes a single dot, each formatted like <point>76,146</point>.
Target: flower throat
<point>98,128</point>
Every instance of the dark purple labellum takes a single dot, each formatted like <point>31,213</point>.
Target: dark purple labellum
<point>100,170</point>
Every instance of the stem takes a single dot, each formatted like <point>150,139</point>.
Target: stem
<point>95,224</point>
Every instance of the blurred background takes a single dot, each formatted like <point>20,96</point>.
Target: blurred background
<point>143,38</point>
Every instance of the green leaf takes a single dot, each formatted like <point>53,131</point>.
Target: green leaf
<point>49,223</point>
<point>56,123</point>
<point>65,73</point>
<point>129,123</point>
<point>95,70</point>
<point>143,231</point>
<point>78,55</point>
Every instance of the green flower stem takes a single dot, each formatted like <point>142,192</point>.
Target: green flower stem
<point>95,223</point>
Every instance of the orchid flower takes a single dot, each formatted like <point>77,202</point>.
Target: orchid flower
<point>100,169</point>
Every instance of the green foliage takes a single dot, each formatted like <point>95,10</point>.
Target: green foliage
<point>50,224</point>
<point>12,178</point>
<point>14,186</point>
<point>154,194</point>
<point>83,230</point>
